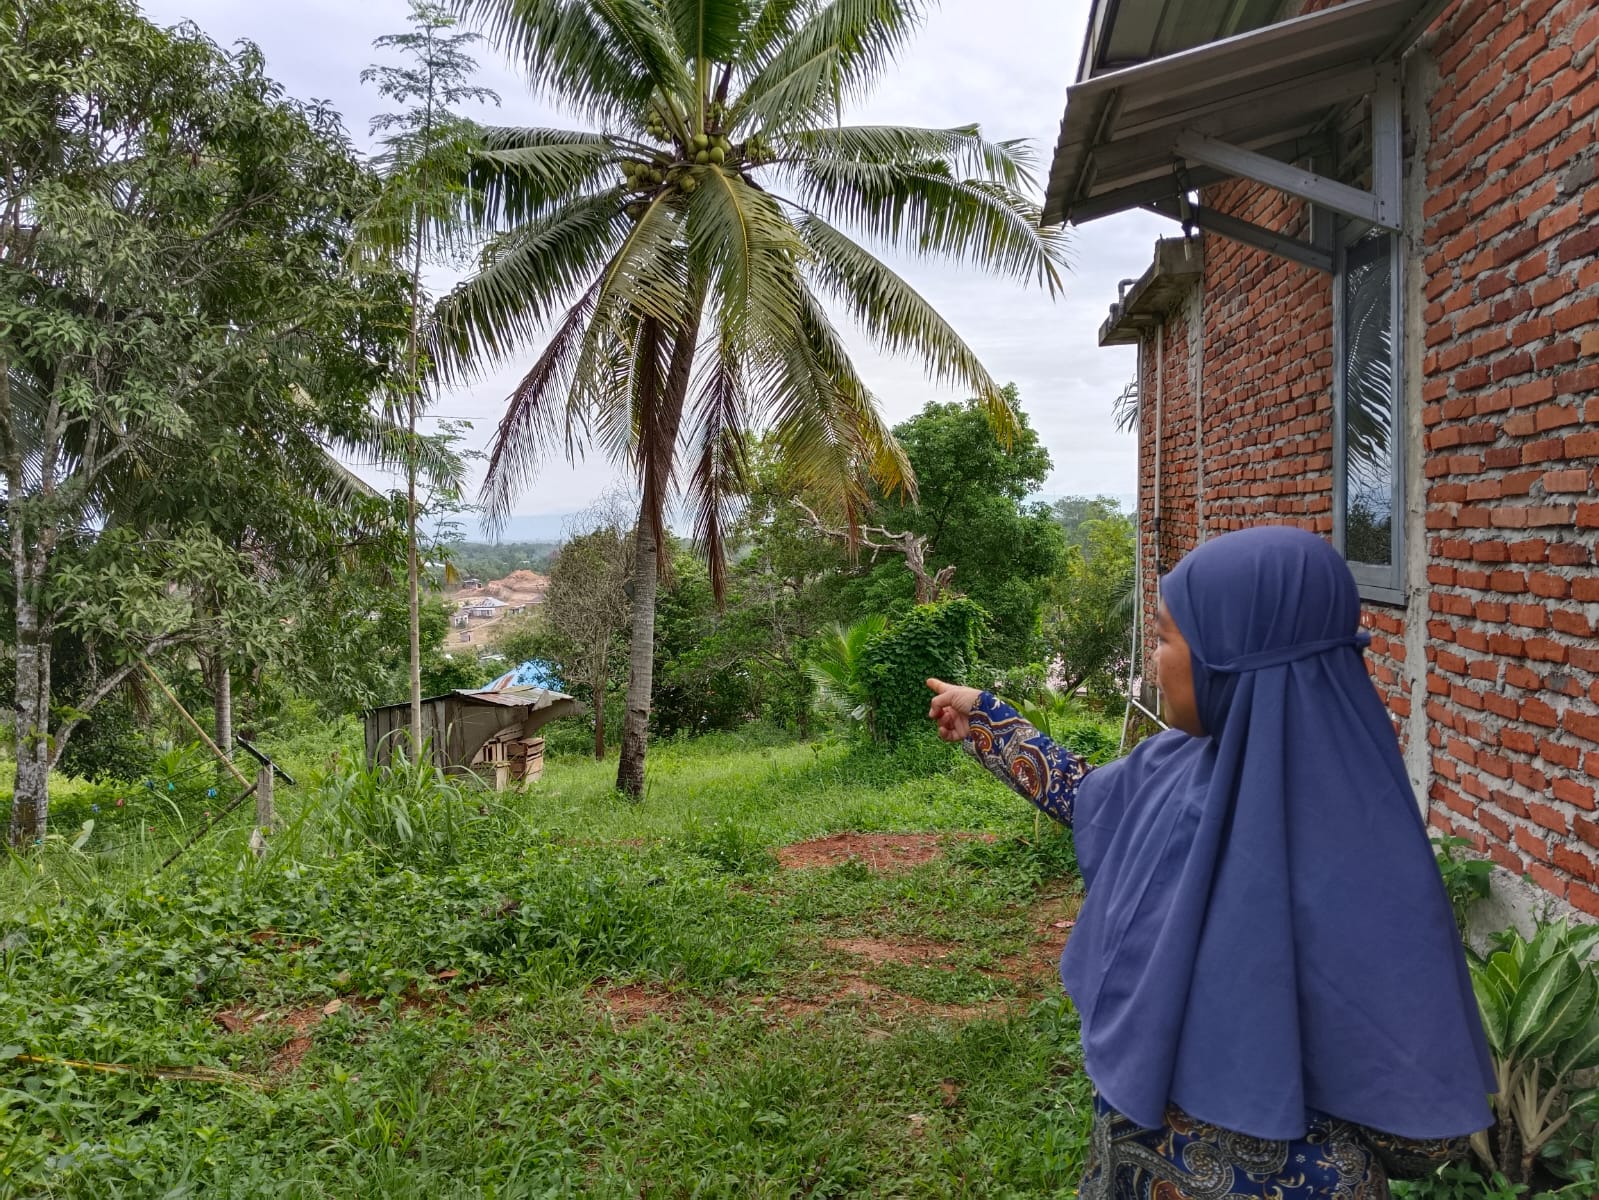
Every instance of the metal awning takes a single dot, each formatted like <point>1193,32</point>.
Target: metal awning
<point>1244,106</point>
<point>1123,33</point>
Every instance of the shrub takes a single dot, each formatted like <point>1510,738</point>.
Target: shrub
<point>932,640</point>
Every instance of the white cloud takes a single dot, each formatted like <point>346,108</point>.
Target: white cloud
<point>1004,64</point>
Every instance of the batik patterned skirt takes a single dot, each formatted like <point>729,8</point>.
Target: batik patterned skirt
<point>1191,1160</point>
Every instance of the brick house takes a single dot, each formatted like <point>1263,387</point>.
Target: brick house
<point>1379,319</point>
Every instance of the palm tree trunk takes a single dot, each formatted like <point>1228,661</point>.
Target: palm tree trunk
<point>641,663</point>
<point>647,560</point>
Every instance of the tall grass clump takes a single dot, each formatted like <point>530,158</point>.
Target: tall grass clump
<point>409,812</point>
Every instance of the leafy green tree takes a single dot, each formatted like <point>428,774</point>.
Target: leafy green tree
<point>978,531</point>
<point>173,246</point>
<point>413,218</point>
<point>1075,513</point>
<point>698,686</point>
<point>705,220</point>
<point>1088,632</point>
<point>486,561</point>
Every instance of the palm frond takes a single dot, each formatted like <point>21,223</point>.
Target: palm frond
<point>748,250</point>
<point>721,414</point>
<point>1124,409</point>
<point>647,278</point>
<point>656,418</point>
<point>928,212</point>
<point>767,31</point>
<point>602,57</point>
<point>826,422</point>
<point>834,662</point>
<point>527,275</point>
<point>962,149</point>
<point>387,444</point>
<point>533,419</point>
<point>707,30</point>
<point>422,193</point>
<point>892,312</point>
<point>518,175</point>
<point>837,54</point>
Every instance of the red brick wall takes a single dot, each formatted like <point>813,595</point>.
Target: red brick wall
<point>1174,500</point>
<point>1509,262</point>
<point>1510,380</point>
<point>1268,375</point>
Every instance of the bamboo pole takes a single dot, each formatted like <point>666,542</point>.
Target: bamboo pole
<point>195,725</point>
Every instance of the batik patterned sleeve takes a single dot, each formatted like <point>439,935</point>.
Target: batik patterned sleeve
<point>1023,759</point>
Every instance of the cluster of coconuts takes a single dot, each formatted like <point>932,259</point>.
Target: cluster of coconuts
<point>709,148</point>
<point>758,150</point>
<point>643,176</point>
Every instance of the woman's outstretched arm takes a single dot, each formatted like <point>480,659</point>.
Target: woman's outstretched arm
<point>1031,764</point>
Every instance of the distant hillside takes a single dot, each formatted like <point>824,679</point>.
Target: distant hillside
<point>485,560</point>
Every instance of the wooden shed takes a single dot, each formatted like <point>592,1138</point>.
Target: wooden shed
<point>493,729</point>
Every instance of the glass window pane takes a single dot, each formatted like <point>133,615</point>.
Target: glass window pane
<point>1368,372</point>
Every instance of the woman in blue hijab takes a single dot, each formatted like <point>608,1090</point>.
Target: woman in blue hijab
<point>1273,994</point>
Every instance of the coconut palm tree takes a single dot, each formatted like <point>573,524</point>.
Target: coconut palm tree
<point>684,251</point>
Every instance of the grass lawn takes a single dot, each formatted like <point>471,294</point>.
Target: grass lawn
<point>711,993</point>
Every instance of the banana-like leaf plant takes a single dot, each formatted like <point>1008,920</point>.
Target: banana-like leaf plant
<point>1540,1011</point>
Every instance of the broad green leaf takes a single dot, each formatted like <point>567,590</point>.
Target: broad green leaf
<point>1567,1014</point>
<point>1582,939</point>
<point>1507,967</point>
<point>1494,1004</point>
<point>1537,997</point>
<point>1547,942</point>
<point>1581,1051</point>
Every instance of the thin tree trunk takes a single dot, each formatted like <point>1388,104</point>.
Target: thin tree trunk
<point>413,387</point>
<point>30,558</point>
<point>598,690</point>
<point>223,702</point>
<point>641,663</point>
<point>412,574</point>
<point>30,803</point>
<point>646,567</point>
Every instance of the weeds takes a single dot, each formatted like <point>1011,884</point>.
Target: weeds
<point>466,936</point>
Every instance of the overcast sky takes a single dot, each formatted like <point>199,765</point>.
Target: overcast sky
<point>1004,64</point>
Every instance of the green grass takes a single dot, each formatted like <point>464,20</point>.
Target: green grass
<point>586,997</point>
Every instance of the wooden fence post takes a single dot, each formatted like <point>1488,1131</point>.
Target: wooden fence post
<point>265,818</point>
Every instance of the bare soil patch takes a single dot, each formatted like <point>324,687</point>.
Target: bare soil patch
<point>882,950</point>
<point>1033,970</point>
<point>289,1055</point>
<point>301,1022</point>
<point>886,1007</point>
<point>885,852</point>
<point>1052,920</point>
<point>637,1002</point>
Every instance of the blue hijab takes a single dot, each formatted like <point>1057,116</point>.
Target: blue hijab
<point>1265,930</point>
